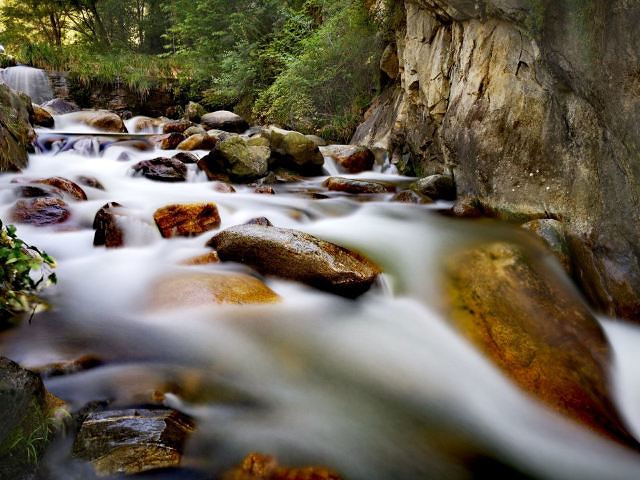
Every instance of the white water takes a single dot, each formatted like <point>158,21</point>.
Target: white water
<point>379,388</point>
<point>32,81</point>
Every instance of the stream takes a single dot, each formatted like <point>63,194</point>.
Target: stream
<point>379,387</point>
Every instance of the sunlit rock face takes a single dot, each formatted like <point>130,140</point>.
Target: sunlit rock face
<point>534,106</point>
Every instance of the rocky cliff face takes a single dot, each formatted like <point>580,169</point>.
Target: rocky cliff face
<point>534,105</point>
<point>16,132</point>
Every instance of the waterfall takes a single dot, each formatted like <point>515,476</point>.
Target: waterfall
<point>32,81</point>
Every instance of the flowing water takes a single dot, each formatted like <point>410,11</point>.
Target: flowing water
<point>32,81</point>
<point>377,388</point>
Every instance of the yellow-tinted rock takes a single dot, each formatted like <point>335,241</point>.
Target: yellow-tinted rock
<point>536,330</point>
<point>201,289</point>
<point>187,220</point>
<point>258,466</point>
<point>207,258</point>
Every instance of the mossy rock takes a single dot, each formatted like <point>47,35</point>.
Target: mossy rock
<point>16,132</point>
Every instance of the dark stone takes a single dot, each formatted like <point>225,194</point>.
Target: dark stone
<point>65,185</point>
<point>297,256</point>
<point>41,211</point>
<point>349,185</point>
<point>42,118</point>
<point>108,232</point>
<point>171,141</point>
<point>176,126</point>
<point>185,157</point>
<point>409,196</point>
<point>264,221</point>
<point>92,182</point>
<point>437,187</point>
<point>162,169</point>
<point>58,106</point>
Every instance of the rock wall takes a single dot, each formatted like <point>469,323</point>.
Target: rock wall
<point>16,132</point>
<point>534,105</point>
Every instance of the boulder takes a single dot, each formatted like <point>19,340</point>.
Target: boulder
<point>186,158</point>
<point>437,187</point>
<point>41,117</point>
<point>58,106</point>
<point>101,120</point>
<point>41,211</point>
<point>194,130</point>
<point>294,150</point>
<point>221,135</point>
<point>237,159</point>
<point>176,126</point>
<point>257,466</point>
<point>91,182</point>
<point>194,112</point>
<point>171,141</point>
<point>108,231</point>
<point>187,220</point>
<point>199,141</point>
<point>223,187</point>
<point>65,185</point>
<point>350,158</point>
<point>409,196</point>
<point>132,441</point>
<point>16,133</point>
<point>551,232</point>
<point>162,169</point>
<point>195,289</point>
<point>205,259</point>
<point>350,185</point>
<point>534,327</point>
<point>297,256</point>
<point>224,120</point>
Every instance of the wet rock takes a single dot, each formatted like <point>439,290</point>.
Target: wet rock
<point>108,231</point>
<point>41,117</point>
<point>221,135</point>
<point>257,466</point>
<point>297,256</point>
<point>162,169</point>
<point>65,185</point>
<point>319,141</point>
<point>438,187</point>
<point>126,114</point>
<point>264,221</point>
<point>141,145</point>
<point>68,367</point>
<point>123,157</point>
<point>224,120</point>
<point>102,120</point>
<point>92,182</point>
<point>199,141</point>
<point>205,259</point>
<point>194,130</point>
<point>58,106</point>
<point>551,232</point>
<point>16,133</point>
<point>223,187</point>
<point>41,211</point>
<point>350,158</point>
<point>171,141</point>
<point>269,179</point>
<point>264,189</point>
<point>469,207</point>
<point>185,157</point>
<point>147,125</point>
<point>234,157</point>
<point>132,441</point>
<point>187,220</point>
<point>194,289</point>
<point>350,185</point>
<point>294,150</point>
<point>194,111</point>
<point>32,191</point>
<point>534,327</point>
<point>176,126</point>
<point>24,420</point>
<point>409,196</point>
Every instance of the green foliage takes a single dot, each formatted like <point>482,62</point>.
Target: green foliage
<point>24,270</point>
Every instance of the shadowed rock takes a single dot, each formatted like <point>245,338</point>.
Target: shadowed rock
<point>65,185</point>
<point>108,231</point>
<point>41,117</point>
<point>162,169</point>
<point>297,256</point>
<point>350,185</point>
<point>41,211</point>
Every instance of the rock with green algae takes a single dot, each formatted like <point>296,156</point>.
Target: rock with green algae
<point>16,132</point>
<point>235,158</point>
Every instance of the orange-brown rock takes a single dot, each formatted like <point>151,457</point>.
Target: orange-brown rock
<point>41,117</point>
<point>205,259</point>
<point>195,289</point>
<point>534,327</point>
<point>65,185</point>
<point>257,466</point>
<point>350,185</point>
<point>187,220</point>
<point>350,158</point>
<point>199,141</point>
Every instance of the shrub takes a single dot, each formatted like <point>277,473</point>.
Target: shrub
<point>24,270</point>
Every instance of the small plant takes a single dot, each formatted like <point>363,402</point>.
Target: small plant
<point>24,270</point>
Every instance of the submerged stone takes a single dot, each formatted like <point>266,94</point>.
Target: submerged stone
<point>297,256</point>
<point>162,169</point>
<point>350,185</point>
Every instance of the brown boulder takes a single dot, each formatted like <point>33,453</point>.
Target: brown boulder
<point>171,141</point>
<point>162,169</point>
<point>108,231</point>
<point>199,141</point>
<point>194,289</point>
<point>176,126</point>
<point>41,117</point>
<point>185,157</point>
<point>409,196</point>
<point>223,187</point>
<point>350,158</point>
<point>350,185</point>
<point>41,211</point>
<point>132,441</point>
<point>187,220</point>
<point>65,185</point>
<point>88,181</point>
<point>297,256</point>
<point>102,120</point>
<point>535,328</point>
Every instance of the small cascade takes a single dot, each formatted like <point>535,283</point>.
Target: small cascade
<point>32,81</point>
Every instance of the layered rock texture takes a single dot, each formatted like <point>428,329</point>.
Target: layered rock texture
<point>534,105</point>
